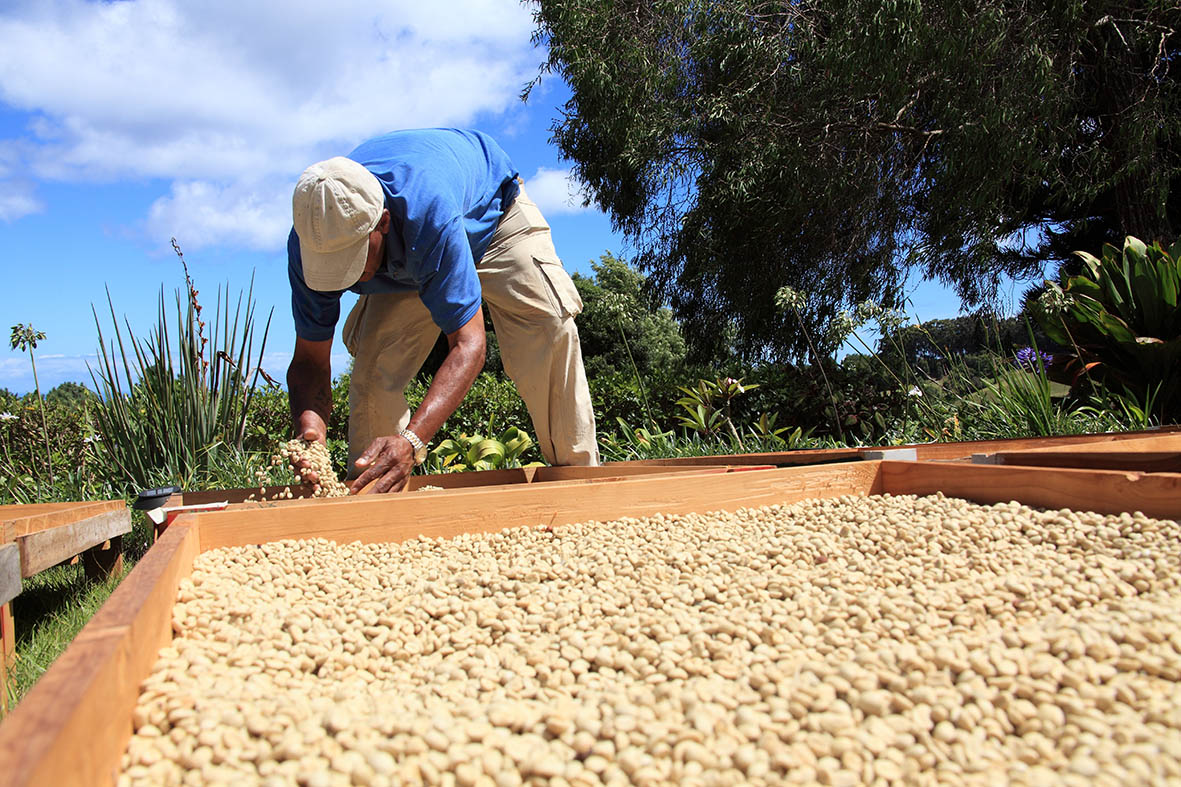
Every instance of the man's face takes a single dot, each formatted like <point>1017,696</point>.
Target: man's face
<point>376,247</point>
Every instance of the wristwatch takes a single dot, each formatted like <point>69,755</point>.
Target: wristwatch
<point>418,445</point>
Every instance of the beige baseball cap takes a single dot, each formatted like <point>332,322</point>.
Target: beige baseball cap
<point>337,203</point>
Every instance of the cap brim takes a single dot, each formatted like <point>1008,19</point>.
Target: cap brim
<point>335,270</point>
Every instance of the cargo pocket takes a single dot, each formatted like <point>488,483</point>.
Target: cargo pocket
<point>349,334</point>
<point>562,292</point>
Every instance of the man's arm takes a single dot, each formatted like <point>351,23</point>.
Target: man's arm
<point>390,459</point>
<point>309,388</point>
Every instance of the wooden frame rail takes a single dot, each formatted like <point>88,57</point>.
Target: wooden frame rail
<point>482,478</point>
<point>923,451</point>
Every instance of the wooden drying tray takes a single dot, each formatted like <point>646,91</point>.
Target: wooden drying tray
<point>922,451</point>
<point>482,478</point>
<point>74,724</point>
<point>39,536</point>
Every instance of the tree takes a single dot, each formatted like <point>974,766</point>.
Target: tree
<point>25,338</point>
<point>833,146</point>
<point>71,394</point>
<point>619,318</point>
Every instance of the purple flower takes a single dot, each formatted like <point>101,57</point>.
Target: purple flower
<point>1027,358</point>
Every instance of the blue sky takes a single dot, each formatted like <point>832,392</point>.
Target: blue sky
<point>124,124</point>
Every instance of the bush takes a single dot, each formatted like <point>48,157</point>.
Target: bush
<point>1119,324</point>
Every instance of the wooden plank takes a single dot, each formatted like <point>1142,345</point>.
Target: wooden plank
<point>46,548</point>
<point>19,520</point>
<point>923,451</point>
<point>73,725</point>
<point>7,650</point>
<point>7,634</point>
<point>516,475</point>
<point>1143,461</point>
<point>446,514</point>
<point>1103,491</point>
<point>482,478</point>
<point>964,450</point>
<point>1160,442</point>
<point>803,456</point>
<point>10,572</point>
<point>617,470</point>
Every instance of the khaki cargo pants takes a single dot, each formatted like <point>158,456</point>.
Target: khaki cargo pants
<point>532,302</point>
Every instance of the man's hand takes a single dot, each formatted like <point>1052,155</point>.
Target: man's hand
<point>309,382</point>
<point>389,461</point>
<point>311,427</point>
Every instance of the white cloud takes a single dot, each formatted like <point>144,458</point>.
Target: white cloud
<point>17,199</point>
<point>200,214</point>
<point>220,97</point>
<point>52,370</point>
<point>556,192</point>
<point>17,196</point>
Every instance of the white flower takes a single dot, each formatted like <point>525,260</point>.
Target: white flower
<point>787,298</point>
<point>1054,300</point>
<point>841,327</point>
<point>914,391</point>
<point>8,417</point>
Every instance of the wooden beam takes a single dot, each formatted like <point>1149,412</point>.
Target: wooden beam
<point>1143,461</point>
<point>20,520</point>
<point>103,561</point>
<point>482,478</point>
<point>73,725</point>
<point>616,471</point>
<point>7,635</point>
<point>964,450</point>
<point>803,456</point>
<point>450,513</point>
<point>7,650</point>
<point>1168,441</point>
<point>923,451</point>
<point>45,548</point>
<point>1103,491</point>
<point>10,572</point>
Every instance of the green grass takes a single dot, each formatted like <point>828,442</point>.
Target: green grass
<point>54,605</point>
<point>52,608</point>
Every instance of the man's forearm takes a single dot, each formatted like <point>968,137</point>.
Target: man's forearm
<point>309,388</point>
<point>450,385</point>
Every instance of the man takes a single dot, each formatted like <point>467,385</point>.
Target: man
<point>424,224</point>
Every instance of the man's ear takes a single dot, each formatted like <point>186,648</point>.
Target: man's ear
<point>383,224</point>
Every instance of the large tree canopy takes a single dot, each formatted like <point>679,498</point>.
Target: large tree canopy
<point>836,145</point>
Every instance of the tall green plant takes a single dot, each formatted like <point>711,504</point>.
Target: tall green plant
<point>1120,321</point>
<point>171,402</point>
<point>25,337</point>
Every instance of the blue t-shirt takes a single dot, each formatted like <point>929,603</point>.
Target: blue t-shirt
<point>446,190</point>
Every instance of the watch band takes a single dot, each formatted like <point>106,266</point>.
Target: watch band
<point>417,444</point>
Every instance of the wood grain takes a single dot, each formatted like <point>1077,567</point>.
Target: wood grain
<point>45,548</point>
<point>72,726</point>
<point>1103,491</point>
<point>449,513</point>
